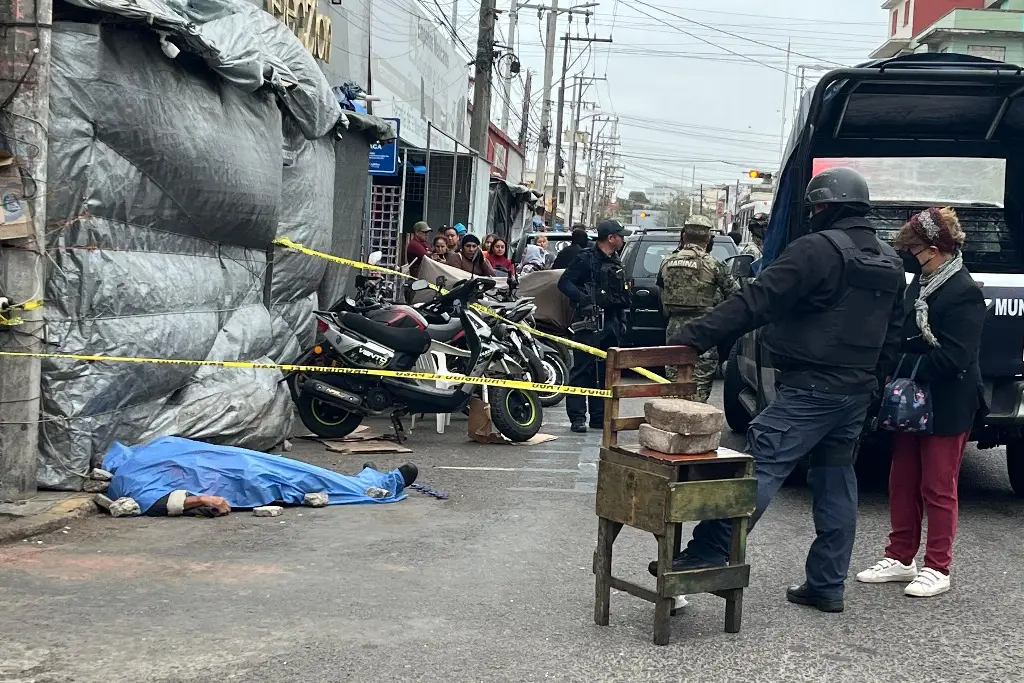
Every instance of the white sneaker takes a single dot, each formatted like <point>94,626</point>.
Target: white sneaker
<point>928,584</point>
<point>889,570</point>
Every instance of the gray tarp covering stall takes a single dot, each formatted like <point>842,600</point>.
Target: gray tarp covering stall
<point>168,181</point>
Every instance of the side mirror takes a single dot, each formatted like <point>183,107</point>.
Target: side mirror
<point>419,286</point>
<point>375,257</point>
<point>740,265</point>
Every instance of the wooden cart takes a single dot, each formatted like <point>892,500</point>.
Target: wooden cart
<point>656,492</point>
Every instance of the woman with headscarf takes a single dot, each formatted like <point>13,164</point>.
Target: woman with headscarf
<point>497,256</point>
<point>942,335</point>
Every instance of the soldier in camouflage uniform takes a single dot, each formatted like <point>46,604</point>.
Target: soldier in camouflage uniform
<point>758,225</point>
<point>692,282</point>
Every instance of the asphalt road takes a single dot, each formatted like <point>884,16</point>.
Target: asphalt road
<point>492,585</point>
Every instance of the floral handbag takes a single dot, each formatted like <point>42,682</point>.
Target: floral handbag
<point>906,405</point>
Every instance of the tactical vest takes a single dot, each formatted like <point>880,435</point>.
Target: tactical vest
<point>688,282</point>
<point>612,288</point>
<point>850,332</point>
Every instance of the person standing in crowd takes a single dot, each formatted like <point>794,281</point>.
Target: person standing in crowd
<point>470,259</point>
<point>418,247</point>
<point>942,334</point>
<point>534,258</point>
<point>737,237</point>
<point>595,283</point>
<point>580,241</point>
<point>488,241</point>
<point>549,258</point>
<point>497,256</point>
<point>440,253</point>
<point>833,306</point>
<point>757,226</point>
<point>693,282</point>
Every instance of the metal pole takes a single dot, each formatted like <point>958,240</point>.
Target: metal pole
<point>513,18</point>
<point>590,171</point>
<point>693,186</point>
<point>540,179</point>
<point>426,175</point>
<point>455,168</point>
<point>572,147</point>
<point>401,204</point>
<point>558,130</point>
<point>524,128</point>
<point>785,100</point>
<point>25,56</point>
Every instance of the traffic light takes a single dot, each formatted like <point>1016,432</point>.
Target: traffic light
<point>644,214</point>
<point>760,175</point>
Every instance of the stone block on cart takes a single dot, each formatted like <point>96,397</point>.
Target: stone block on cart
<point>678,444</point>
<point>684,417</point>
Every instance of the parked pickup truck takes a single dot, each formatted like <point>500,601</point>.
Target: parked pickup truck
<point>925,130</point>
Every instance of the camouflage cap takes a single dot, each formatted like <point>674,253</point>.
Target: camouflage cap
<point>698,226</point>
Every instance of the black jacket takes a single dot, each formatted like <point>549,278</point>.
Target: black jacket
<point>956,314</point>
<point>566,256</point>
<point>583,272</point>
<point>807,275</point>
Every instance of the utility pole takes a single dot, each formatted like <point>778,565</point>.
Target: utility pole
<point>513,19</point>
<point>482,85</point>
<point>549,71</point>
<point>785,101</point>
<point>540,181</point>
<point>25,72</point>
<point>524,128</point>
<point>561,107</point>
<point>590,170</point>
<point>571,183</point>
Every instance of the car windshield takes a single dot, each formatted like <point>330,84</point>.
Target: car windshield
<point>934,180</point>
<point>648,261</point>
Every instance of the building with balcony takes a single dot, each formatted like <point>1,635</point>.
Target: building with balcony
<point>993,29</point>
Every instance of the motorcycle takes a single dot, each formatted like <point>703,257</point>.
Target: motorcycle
<point>332,405</point>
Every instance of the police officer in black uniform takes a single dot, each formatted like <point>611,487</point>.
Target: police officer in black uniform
<point>595,283</point>
<point>833,306</point>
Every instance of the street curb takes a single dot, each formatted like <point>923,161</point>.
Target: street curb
<point>56,517</point>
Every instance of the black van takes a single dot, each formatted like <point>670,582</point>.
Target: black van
<point>925,130</point>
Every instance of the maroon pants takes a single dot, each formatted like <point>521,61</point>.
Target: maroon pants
<point>924,475</point>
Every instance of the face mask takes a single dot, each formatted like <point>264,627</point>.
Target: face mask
<point>910,262</point>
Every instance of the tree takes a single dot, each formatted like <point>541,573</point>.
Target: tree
<point>677,210</point>
<point>638,197</point>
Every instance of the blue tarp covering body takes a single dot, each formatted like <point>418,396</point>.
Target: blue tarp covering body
<point>245,478</point>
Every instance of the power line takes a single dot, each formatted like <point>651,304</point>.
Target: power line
<point>728,33</point>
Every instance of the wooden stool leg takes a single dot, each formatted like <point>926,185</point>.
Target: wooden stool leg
<point>607,532</point>
<point>737,555</point>
<point>663,606</point>
<point>734,611</point>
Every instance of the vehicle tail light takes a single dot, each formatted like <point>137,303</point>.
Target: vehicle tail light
<point>321,325</point>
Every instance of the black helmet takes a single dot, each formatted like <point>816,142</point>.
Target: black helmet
<point>839,186</point>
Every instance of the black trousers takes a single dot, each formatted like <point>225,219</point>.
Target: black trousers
<point>588,371</point>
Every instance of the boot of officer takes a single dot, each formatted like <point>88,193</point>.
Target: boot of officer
<point>832,304</point>
<point>595,283</point>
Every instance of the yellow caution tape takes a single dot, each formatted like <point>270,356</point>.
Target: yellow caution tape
<point>285,367</point>
<point>594,351</point>
<point>15,320</point>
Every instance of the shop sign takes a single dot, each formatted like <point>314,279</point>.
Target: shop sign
<point>304,20</point>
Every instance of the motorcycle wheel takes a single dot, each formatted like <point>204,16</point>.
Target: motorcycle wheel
<point>517,414</point>
<point>326,420</point>
<point>558,374</point>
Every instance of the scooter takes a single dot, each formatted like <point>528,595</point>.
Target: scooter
<point>332,405</point>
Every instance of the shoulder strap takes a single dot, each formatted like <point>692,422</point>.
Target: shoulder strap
<point>839,239</point>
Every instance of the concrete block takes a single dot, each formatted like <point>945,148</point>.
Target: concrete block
<point>684,417</point>
<point>268,511</point>
<point>100,475</point>
<point>93,486</point>
<point>677,444</point>
<point>102,501</point>
<point>316,500</point>
<point>125,507</point>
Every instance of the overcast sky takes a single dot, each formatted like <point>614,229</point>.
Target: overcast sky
<point>690,95</point>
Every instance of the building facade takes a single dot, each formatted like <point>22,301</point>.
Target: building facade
<point>993,29</point>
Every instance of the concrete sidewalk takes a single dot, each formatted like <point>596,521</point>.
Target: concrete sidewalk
<point>44,512</point>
